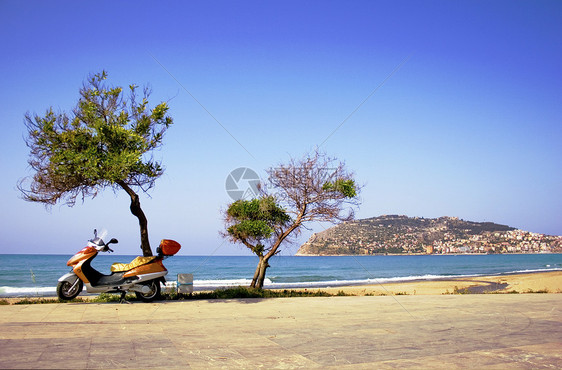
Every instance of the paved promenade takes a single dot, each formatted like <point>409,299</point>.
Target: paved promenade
<point>469,331</point>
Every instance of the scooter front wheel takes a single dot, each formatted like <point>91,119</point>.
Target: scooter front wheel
<point>67,290</point>
<point>154,293</point>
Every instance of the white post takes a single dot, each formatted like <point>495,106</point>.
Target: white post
<point>185,283</point>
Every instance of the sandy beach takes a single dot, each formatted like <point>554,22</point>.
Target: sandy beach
<point>542,282</point>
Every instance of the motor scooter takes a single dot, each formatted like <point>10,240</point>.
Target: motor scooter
<point>142,276</point>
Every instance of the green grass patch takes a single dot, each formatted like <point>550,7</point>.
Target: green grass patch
<point>48,300</point>
<point>537,291</point>
<point>341,293</point>
<point>456,290</point>
<point>401,293</point>
<point>239,292</point>
<point>108,297</point>
<point>246,292</point>
<point>503,292</point>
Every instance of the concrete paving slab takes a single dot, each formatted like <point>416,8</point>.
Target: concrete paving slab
<point>472,331</point>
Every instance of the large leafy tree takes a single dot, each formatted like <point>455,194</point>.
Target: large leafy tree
<point>313,188</point>
<point>104,143</point>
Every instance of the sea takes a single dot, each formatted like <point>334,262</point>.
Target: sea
<point>23,275</point>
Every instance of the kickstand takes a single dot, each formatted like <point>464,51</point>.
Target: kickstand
<point>122,299</point>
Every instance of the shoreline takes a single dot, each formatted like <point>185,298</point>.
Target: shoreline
<point>507,283</point>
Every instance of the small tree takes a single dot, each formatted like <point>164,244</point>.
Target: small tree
<point>102,143</point>
<point>314,188</point>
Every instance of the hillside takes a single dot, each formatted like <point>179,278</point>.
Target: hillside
<point>402,234</point>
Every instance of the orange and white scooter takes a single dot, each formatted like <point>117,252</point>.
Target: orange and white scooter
<point>142,276</point>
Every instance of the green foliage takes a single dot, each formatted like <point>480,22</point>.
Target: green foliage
<point>47,300</point>
<point>103,141</point>
<point>251,229</point>
<point>109,297</point>
<point>457,290</point>
<point>503,292</point>
<point>345,187</point>
<point>262,209</point>
<point>252,221</point>
<point>246,292</point>
<point>537,291</point>
<point>341,293</point>
<point>239,292</point>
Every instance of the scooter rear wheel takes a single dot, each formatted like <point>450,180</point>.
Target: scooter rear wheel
<point>154,286</point>
<point>66,292</point>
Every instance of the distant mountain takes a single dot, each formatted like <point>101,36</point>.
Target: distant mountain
<point>394,234</point>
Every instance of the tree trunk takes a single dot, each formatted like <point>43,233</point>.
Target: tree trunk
<point>259,275</point>
<point>143,222</point>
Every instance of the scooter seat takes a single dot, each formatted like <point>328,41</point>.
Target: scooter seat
<point>139,261</point>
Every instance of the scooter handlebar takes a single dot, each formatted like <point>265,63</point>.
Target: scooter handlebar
<point>112,241</point>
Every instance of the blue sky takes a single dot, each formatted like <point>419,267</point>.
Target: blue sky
<point>470,125</point>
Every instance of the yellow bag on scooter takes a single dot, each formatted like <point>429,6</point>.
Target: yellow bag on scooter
<point>139,261</point>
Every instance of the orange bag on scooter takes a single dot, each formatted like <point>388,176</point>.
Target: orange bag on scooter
<point>169,247</point>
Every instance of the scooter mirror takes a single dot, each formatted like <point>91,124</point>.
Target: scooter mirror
<point>95,233</point>
<point>112,241</point>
